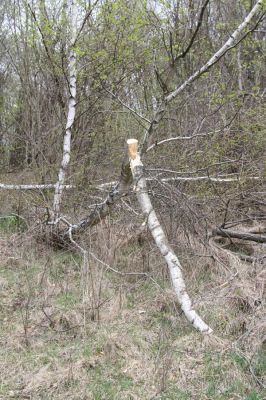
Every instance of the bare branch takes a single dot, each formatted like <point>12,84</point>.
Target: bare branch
<point>193,37</point>
<point>181,138</point>
<point>127,106</point>
<point>236,37</point>
<point>85,19</point>
<point>52,61</point>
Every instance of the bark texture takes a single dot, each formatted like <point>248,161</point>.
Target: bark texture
<point>70,115</point>
<point>253,237</point>
<point>160,239</point>
<point>101,210</point>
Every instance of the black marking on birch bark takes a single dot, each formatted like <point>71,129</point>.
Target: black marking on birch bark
<point>165,254</point>
<point>163,245</point>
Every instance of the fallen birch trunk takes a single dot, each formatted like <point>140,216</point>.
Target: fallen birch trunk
<point>161,240</point>
<point>32,186</point>
<point>107,185</point>
<point>205,178</point>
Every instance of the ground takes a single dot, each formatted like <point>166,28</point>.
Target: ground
<point>96,334</point>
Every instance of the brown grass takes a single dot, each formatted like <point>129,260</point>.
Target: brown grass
<point>128,338</point>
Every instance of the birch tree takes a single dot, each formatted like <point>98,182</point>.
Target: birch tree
<point>121,189</point>
<point>123,62</point>
<point>72,89</point>
<point>235,38</point>
<point>173,263</point>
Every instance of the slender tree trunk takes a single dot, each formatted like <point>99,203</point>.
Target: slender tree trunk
<point>70,115</point>
<point>240,70</point>
<point>160,239</point>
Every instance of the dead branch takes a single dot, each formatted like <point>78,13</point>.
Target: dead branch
<point>32,186</point>
<point>107,185</point>
<point>227,233</point>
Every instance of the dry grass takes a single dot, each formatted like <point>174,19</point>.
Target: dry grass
<point>128,339</point>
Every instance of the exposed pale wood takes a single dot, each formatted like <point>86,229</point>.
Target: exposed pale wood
<point>160,239</point>
<point>132,148</point>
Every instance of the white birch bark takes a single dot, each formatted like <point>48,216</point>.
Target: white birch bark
<point>32,186</point>
<point>71,112</point>
<point>206,178</point>
<point>160,239</point>
<point>234,39</point>
<point>240,70</point>
<point>112,184</point>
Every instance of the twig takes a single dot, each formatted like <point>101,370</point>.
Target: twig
<point>127,106</point>
<point>181,138</point>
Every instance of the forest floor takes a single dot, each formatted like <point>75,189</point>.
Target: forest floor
<point>128,342</point>
<point>70,333</point>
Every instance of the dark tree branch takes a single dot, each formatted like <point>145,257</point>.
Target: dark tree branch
<point>193,37</point>
<point>254,237</point>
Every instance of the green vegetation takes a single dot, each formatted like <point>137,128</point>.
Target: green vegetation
<point>12,223</point>
<point>112,329</point>
<point>144,350</point>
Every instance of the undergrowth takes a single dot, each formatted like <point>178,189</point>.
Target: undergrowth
<point>127,338</point>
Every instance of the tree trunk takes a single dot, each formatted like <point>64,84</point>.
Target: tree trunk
<point>101,210</point>
<point>70,116</point>
<point>160,239</point>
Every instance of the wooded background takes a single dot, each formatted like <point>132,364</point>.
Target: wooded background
<point>79,78</point>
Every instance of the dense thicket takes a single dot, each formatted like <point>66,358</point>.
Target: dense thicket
<point>130,56</point>
<point>87,310</point>
<point>139,51</point>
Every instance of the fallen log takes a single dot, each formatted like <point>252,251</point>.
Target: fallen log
<point>101,210</point>
<point>216,179</point>
<point>160,239</point>
<point>254,237</point>
<point>46,186</point>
